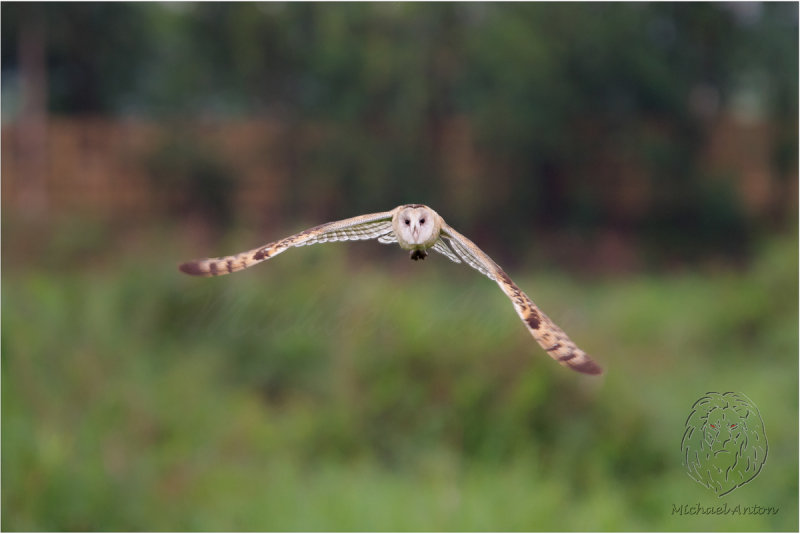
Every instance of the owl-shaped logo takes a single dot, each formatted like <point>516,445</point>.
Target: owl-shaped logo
<point>724,445</point>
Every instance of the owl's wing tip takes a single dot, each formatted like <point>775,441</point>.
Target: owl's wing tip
<point>588,367</point>
<point>193,268</point>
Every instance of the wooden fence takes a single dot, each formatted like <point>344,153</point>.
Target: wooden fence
<point>104,166</point>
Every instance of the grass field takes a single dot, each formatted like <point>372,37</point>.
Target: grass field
<point>320,392</point>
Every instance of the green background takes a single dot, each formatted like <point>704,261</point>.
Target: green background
<point>343,387</point>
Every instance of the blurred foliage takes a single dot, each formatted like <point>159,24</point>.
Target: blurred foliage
<point>405,63</point>
<point>324,392</point>
<point>321,393</point>
<point>94,53</point>
<point>565,101</point>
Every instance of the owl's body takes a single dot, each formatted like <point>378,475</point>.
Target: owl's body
<point>416,228</point>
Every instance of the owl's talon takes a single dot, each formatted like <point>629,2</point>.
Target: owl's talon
<point>418,255</point>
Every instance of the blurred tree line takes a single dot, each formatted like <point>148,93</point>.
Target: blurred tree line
<point>584,117</point>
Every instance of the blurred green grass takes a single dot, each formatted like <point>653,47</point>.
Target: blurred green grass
<point>323,392</point>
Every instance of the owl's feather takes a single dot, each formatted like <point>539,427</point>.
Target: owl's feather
<point>443,248</point>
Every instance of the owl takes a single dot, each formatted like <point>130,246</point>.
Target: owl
<point>418,229</point>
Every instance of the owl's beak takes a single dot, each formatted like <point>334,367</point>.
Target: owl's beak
<point>415,234</point>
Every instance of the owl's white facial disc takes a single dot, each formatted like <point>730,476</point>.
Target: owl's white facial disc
<point>416,227</point>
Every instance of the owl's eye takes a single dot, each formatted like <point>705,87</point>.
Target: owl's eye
<point>408,221</point>
<point>422,221</point>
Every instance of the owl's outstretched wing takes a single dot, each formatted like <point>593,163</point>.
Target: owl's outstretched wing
<point>551,338</point>
<point>372,226</point>
<point>442,248</point>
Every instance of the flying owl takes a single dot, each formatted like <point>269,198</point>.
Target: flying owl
<point>416,228</point>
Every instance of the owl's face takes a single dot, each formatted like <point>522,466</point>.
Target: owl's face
<point>416,227</point>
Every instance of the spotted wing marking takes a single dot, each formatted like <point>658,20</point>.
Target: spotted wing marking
<point>549,336</point>
<point>376,225</point>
